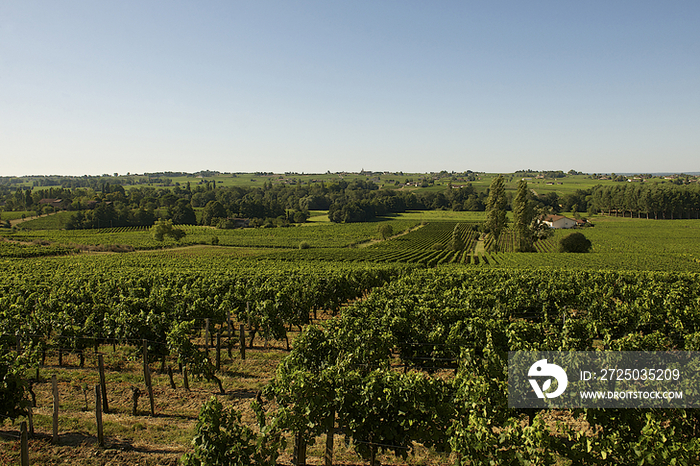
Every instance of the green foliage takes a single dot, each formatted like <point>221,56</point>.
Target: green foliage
<point>379,369</point>
<point>496,219</point>
<point>389,411</point>
<point>473,317</point>
<point>304,386</point>
<point>574,242</point>
<point>182,213</point>
<point>221,439</point>
<point>457,238</point>
<point>304,245</point>
<point>522,214</point>
<point>163,228</point>
<point>8,249</point>
<point>180,342</point>
<point>212,211</point>
<point>13,387</point>
<point>352,211</point>
<point>385,230</point>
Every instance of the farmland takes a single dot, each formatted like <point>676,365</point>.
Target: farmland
<point>405,314</point>
<point>79,305</point>
<point>318,235</point>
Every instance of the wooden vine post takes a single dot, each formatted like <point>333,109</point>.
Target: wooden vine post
<point>135,394</point>
<point>30,419</point>
<point>170,376</point>
<point>330,433</point>
<point>147,377</point>
<point>103,382</point>
<point>230,332</point>
<point>24,444</point>
<point>98,416</point>
<point>242,340</point>
<point>54,386</point>
<point>218,351</point>
<point>299,455</point>
<point>206,336</point>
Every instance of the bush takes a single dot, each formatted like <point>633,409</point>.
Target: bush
<point>164,228</point>
<point>13,387</point>
<point>574,242</point>
<point>385,230</point>
<point>304,245</point>
<point>222,439</point>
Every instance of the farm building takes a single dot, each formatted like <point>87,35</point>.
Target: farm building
<point>559,221</point>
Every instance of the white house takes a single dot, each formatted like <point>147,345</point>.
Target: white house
<point>559,221</point>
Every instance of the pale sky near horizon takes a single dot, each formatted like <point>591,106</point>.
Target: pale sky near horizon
<point>92,87</point>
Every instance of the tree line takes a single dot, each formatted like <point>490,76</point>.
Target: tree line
<point>354,201</point>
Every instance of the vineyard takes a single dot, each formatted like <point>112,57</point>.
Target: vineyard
<point>420,360</point>
<point>395,351</point>
<point>506,242</point>
<point>139,238</point>
<point>432,244</point>
<point>429,245</point>
<point>10,249</point>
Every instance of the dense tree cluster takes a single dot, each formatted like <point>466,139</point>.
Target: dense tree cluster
<point>355,201</point>
<point>649,200</point>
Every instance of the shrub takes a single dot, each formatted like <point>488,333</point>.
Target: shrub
<point>164,228</point>
<point>304,245</point>
<point>222,439</point>
<point>574,242</point>
<point>385,230</point>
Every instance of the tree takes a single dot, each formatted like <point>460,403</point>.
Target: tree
<point>540,230</point>
<point>385,230</point>
<point>182,213</point>
<point>213,209</point>
<point>163,228</point>
<point>496,210</point>
<point>457,241</point>
<point>522,214</point>
<point>575,242</point>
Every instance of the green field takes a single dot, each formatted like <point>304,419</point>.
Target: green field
<point>618,243</point>
<point>15,215</point>
<point>321,234</point>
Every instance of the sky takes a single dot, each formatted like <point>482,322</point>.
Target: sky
<point>93,87</point>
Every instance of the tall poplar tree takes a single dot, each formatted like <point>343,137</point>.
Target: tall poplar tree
<point>522,216</point>
<point>496,211</point>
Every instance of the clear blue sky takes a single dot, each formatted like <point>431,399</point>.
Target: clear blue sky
<point>92,87</point>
